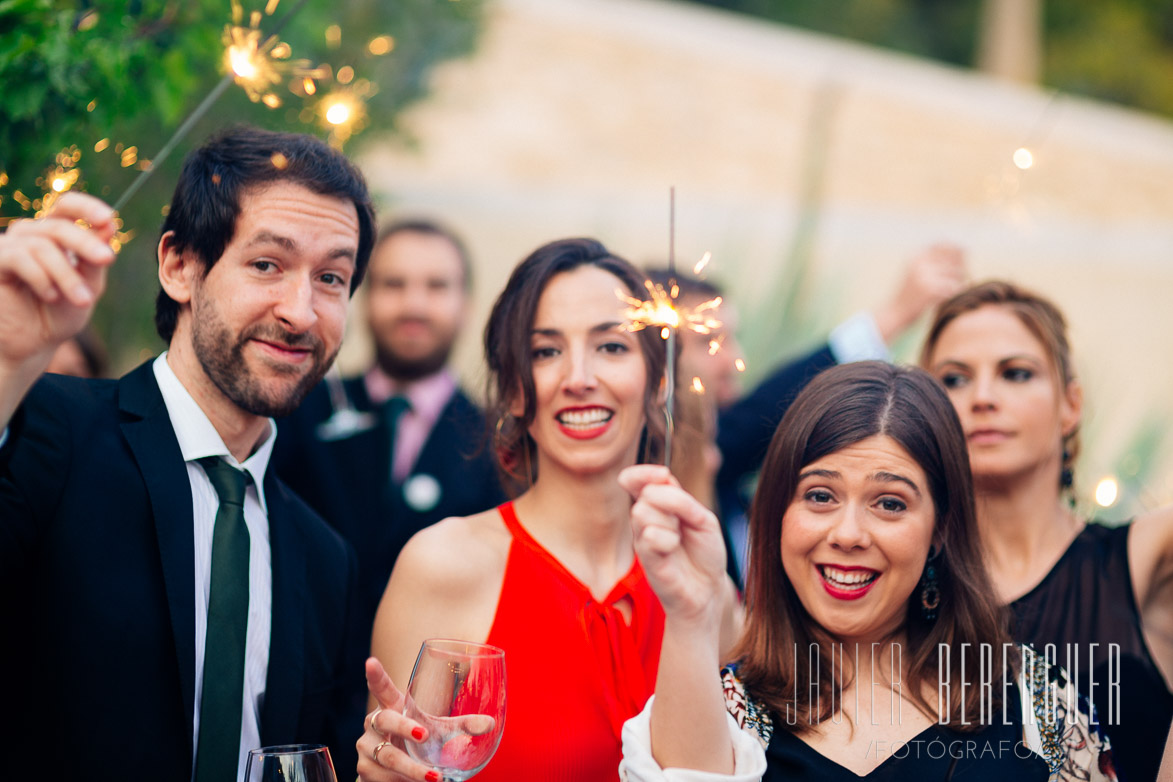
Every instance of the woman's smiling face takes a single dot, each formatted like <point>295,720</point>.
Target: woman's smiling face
<point>589,375</point>
<point>856,536</point>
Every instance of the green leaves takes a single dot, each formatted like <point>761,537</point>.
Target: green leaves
<point>97,77</point>
<point>76,72</point>
<point>1120,51</point>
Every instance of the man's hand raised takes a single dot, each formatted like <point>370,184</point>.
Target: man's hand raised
<point>52,271</point>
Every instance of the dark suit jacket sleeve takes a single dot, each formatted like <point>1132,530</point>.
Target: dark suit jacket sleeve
<point>33,466</point>
<point>348,709</point>
<point>745,428</point>
<point>82,587</point>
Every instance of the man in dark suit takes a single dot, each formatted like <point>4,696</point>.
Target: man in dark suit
<point>168,603</point>
<point>387,453</point>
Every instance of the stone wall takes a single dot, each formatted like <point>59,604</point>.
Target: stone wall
<point>785,147</point>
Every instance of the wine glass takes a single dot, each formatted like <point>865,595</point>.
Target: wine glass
<point>290,763</point>
<point>457,692</point>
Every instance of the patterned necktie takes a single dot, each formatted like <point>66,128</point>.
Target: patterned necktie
<point>218,751</point>
<point>393,408</point>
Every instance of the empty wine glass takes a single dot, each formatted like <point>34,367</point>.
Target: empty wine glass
<point>290,763</point>
<point>457,692</point>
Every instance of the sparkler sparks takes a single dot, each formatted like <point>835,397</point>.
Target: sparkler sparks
<point>248,60</point>
<point>344,110</point>
<point>663,309</point>
<point>338,112</point>
<point>702,263</point>
<point>59,178</point>
<point>258,64</point>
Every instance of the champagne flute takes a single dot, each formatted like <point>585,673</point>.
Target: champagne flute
<point>457,692</point>
<point>290,763</point>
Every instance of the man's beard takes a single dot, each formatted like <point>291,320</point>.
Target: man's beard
<point>408,369</point>
<point>222,358</point>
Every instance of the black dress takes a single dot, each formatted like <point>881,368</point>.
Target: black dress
<point>936,753</point>
<point>1041,732</point>
<point>1082,605</point>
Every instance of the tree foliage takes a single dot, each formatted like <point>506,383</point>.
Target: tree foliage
<point>93,88</point>
<point>1119,51</point>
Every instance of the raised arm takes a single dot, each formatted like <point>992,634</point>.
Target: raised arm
<point>679,544</point>
<point>52,271</point>
<point>1150,559</point>
<point>931,276</point>
<point>744,428</point>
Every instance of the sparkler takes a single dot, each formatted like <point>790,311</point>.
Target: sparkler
<point>662,310</point>
<point>258,64</point>
<point>251,64</point>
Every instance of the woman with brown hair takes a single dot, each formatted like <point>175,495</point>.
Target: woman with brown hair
<point>1102,595</point>
<point>871,648</point>
<point>550,577</point>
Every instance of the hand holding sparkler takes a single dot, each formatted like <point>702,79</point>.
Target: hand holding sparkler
<point>52,271</point>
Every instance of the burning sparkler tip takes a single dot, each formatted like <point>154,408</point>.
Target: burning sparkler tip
<point>702,263</point>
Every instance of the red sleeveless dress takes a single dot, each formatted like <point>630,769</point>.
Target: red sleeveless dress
<point>576,669</point>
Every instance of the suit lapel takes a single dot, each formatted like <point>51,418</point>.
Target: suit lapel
<point>147,429</point>
<point>286,680</point>
<point>367,456</point>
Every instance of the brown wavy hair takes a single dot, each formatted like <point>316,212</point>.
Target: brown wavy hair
<point>1041,318</point>
<point>507,353</point>
<point>840,407</point>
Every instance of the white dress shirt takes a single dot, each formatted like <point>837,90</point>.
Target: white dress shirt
<point>858,339</point>
<point>198,439</point>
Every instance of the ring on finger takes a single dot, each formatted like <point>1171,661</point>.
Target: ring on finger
<point>374,714</point>
<point>375,752</point>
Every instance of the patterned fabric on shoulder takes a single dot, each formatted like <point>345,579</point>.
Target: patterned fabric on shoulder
<point>750,715</point>
<point>1060,724</point>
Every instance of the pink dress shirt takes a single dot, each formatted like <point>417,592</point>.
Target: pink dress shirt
<point>428,397</point>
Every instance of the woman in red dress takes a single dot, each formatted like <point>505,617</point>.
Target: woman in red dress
<point>550,577</point>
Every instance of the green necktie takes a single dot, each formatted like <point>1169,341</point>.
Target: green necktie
<point>218,751</point>
<point>393,408</point>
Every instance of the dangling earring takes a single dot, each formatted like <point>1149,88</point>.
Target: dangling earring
<point>930,591</point>
<point>1066,478</point>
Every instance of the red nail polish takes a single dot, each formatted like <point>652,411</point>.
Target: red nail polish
<point>432,776</point>
<point>418,734</point>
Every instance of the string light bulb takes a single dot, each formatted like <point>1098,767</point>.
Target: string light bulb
<point>1107,492</point>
